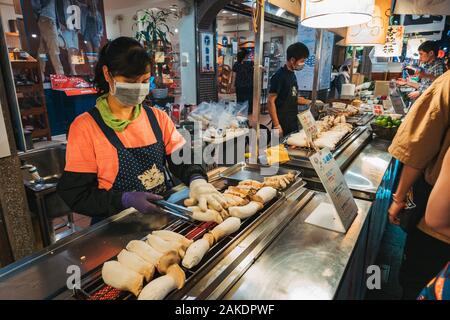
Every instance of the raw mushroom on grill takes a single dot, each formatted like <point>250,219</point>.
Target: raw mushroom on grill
<point>209,215</point>
<point>164,246</point>
<point>132,261</point>
<point>195,253</point>
<point>199,248</point>
<point>173,236</point>
<point>160,287</point>
<point>229,226</point>
<point>160,260</point>
<point>246,211</point>
<point>120,277</point>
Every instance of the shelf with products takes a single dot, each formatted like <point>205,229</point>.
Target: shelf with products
<point>30,96</point>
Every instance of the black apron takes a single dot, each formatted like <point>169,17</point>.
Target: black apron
<point>140,169</point>
<point>287,114</point>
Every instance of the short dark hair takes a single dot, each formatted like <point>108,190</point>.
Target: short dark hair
<point>123,56</point>
<point>298,51</point>
<point>241,55</point>
<point>429,46</point>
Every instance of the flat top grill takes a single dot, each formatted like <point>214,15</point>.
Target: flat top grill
<point>93,287</point>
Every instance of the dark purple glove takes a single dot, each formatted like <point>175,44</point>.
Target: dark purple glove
<point>141,201</point>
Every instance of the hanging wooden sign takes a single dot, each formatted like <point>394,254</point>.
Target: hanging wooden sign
<point>291,6</point>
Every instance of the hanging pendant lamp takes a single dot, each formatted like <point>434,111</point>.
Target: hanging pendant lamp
<point>335,13</point>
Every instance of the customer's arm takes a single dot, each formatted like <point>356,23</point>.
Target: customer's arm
<point>407,179</point>
<point>416,142</point>
<point>437,215</point>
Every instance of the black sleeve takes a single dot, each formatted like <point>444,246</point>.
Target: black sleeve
<point>184,172</point>
<point>81,193</point>
<point>235,67</point>
<point>275,84</point>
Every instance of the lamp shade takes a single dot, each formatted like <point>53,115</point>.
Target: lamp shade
<point>335,13</point>
<point>374,31</point>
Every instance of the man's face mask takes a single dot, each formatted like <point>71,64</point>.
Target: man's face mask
<point>298,66</point>
<point>130,94</point>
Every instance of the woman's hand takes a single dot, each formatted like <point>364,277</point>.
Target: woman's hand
<point>206,195</point>
<point>396,207</point>
<point>142,202</point>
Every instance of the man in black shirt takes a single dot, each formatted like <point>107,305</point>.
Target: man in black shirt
<point>283,93</point>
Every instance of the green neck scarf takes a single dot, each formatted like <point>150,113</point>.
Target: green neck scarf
<point>116,124</point>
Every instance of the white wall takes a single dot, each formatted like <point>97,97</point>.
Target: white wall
<point>184,39</point>
<point>124,27</point>
<point>7,12</point>
<point>112,27</point>
<point>188,50</point>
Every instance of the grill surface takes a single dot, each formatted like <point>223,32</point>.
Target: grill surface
<point>93,287</point>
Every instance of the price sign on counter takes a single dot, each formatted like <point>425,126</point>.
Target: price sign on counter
<point>377,109</point>
<point>340,215</point>
<point>309,126</point>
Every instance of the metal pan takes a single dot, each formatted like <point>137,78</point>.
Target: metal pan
<point>244,171</point>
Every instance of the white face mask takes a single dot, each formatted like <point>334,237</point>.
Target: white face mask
<point>130,94</point>
<point>299,67</point>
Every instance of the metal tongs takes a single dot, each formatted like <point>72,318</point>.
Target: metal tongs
<point>175,209</point>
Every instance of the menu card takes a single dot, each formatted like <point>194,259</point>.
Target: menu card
<point>309,126</point>
<point>345,209</point>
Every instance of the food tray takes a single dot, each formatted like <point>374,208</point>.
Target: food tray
<point>244,171</point>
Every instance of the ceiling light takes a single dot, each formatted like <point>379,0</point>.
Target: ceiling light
<point>280,12</point>
<point>335,14</point>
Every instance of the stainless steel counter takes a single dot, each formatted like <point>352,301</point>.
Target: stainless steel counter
<point>304,262</point>
<point>365,173</point>
<point>287,258</point>
<point>44,275</point>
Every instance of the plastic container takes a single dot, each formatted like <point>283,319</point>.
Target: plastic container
<point>384,133</point>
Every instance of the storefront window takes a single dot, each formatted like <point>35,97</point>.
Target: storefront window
<point>236,37</point>
<point>54,47</point>
<point>53,50</point>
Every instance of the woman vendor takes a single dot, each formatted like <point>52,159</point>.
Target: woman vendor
<point>118,152</point>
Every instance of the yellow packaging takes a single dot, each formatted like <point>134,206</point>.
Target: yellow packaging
<point>277,154</point>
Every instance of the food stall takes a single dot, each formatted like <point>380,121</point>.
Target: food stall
<point>274,254</point>
<point>269,252</point>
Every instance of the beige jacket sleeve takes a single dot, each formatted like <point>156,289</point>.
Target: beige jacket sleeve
<point>421,136</point>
